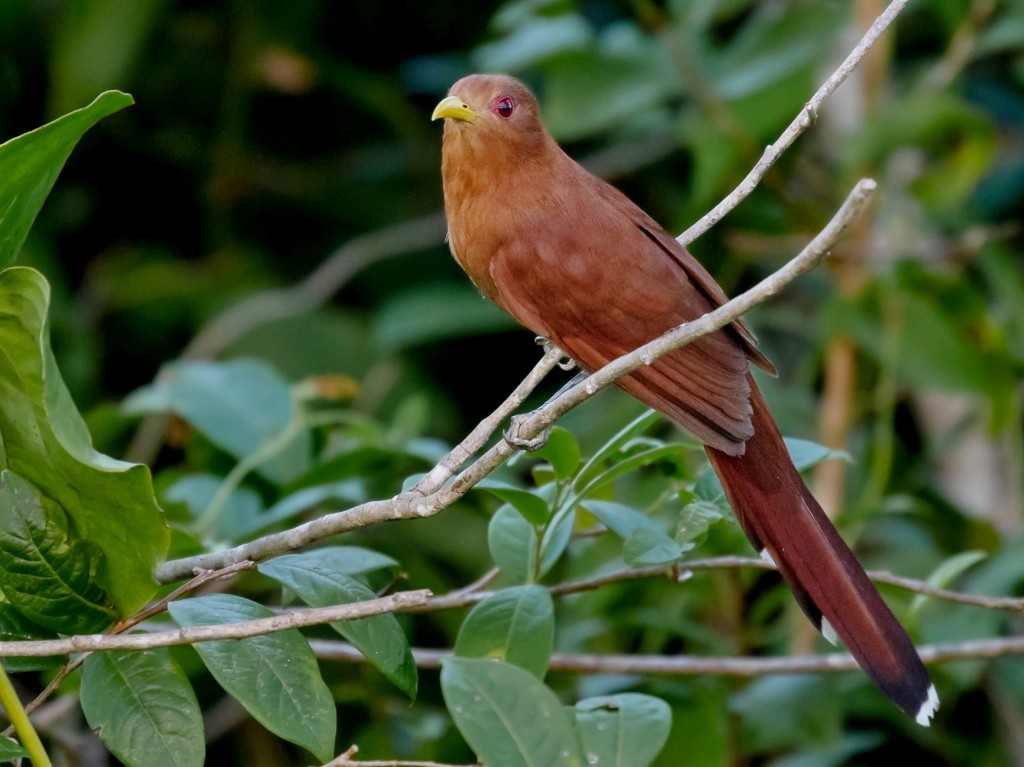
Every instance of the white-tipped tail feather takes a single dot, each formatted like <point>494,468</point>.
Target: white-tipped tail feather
<point>767,557</point>
<point>829,633</point>
<point>928,708</point>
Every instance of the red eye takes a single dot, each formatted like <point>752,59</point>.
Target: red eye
<point>504,107</point>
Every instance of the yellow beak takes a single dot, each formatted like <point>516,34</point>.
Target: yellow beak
<point>455,108</point>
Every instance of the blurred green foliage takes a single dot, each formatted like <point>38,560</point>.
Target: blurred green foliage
<point>266,135</point>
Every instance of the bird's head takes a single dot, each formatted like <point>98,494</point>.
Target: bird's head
<point>492,111</point>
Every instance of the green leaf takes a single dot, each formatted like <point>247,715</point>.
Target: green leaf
<point>508,717</point>
<point>32,162</point>
<point>631,463</point>
<point>562,451</point>
<point>626,75</point>
<point>242,508</point>
<point>435,312</point>
<point>347,491</point>
<point>779,712</point>
<point>11,750</point>
<point>342,560</point>
<point>322,577</point>
<point>529,504</point>
<point>513,544</point>
<point>770,47</point>
<point>944,574</point>
<point>696,518</point>
<point>516,625</point>
<point>274,676</point>
<point>617,517</point>
<point>708,488</point>
<point>556,539</point>
<point>46,573</point>
<point>637,426</point>
<point>936,353</point>
<point>645,543</point>
<point>646,547</point>
<point>806,454</point>
<point>532,41</point>
<point>110,504</point>
<point>625,730</point>
<point>242,406</point>
<point>143,708</point>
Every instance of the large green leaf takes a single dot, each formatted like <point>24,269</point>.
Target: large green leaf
<point>508,717</point>
<point>143,708</point>
<point>626,730</point>
<point>109,503</point>
<point>516,624</point>
<point>274,676</point>
<point>323,577</point>
<point>31,163</point>
<point>47,574</point>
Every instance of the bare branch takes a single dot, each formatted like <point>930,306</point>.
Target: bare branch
<point>681,571</point>
<point>399,602</point>
<point>423,601</point>
<point>692,665</point>
<point>804,120</point>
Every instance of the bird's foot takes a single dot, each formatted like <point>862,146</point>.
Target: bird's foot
<point>514,434</point>
<point>566,363</point>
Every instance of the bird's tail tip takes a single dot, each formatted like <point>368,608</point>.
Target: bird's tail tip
<point>928,708</point>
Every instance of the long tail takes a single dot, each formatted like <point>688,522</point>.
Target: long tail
<point>784,521</point>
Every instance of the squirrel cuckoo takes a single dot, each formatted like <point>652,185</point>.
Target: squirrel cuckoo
<point>575,261</point>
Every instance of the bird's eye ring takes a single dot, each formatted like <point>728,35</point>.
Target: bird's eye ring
<point>504,107</point>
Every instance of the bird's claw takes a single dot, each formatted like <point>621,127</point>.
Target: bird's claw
<point>514,436</point>
<point>566,362</point>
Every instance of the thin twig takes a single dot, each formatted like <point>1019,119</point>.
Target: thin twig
<point>681,570</point>
<point>201,579</point>
<point>415,504</point>
<point>804,120</point>
<point>693,665</point>
<point>399,602</point>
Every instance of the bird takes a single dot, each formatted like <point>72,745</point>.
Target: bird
<point>574,260</point>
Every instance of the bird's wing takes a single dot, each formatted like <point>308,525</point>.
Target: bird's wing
<point>597,290</point>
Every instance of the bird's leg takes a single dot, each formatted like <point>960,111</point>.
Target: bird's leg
<point>512,434</point>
